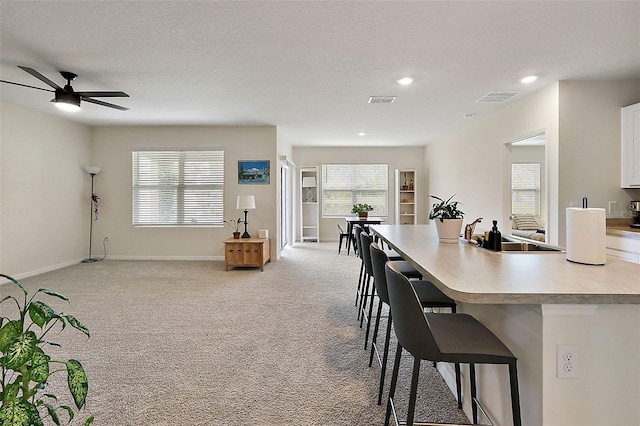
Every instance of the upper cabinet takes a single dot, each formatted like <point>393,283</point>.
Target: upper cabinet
<point>405,209</point>
<point>631,146</point>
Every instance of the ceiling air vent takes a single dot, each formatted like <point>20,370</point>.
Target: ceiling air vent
<point>382,99</point>
<point>497,97</point>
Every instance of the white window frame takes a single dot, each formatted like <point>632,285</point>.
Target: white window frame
<point>530,189</point>
<point>177,188</point>
<point>351,183</point>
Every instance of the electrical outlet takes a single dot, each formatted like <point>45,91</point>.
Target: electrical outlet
<point>567,362</point>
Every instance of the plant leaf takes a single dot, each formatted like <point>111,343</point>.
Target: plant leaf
<point>77,381</point>
<point>40,366</point>
<point>89,421</point>
<point>69,412</point>
<point>16,282</point>
<point>41,313</point>
<point>77,324</point>
<point>52,413</point>
<point>53,293</point>
<point>8,333</point>
<point>21,350</point>
<point>19,412</point>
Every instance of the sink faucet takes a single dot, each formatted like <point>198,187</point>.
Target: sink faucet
<point>468,229</point>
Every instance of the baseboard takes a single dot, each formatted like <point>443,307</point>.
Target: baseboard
<point>42,270</point>
<point>195,258</point>
<point>76,261</point>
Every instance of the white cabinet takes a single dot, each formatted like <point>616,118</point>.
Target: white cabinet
<point>631,146</point>
<point>310,212</point>
<point>405,208</point>
<point>624,248</point>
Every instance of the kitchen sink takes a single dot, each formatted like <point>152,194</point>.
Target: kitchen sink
<point>526,246</point>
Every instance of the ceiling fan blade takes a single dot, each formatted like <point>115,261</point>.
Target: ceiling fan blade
<point>40,77</point>
<point>97,102</point>
<point>104,94</point>
<point>26,85</point>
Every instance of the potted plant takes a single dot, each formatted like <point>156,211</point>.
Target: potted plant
<point>362,210</point>
<point>448,219</point>
<point>235,225</point>
<point>26,368</point>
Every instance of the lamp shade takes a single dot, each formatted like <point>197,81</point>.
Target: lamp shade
<point>308,182</point>
<point>92,170</point>
<point>246,202</point>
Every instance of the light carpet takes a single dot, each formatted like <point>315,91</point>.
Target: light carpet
<point>186,343</point>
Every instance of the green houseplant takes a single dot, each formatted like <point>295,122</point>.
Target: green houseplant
<point>26,368</point>
<point>235,225</point>
<point>361,209</point>
<point>448,218</point>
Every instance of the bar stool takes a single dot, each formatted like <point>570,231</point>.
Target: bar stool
<point>457,338</point>
<point>404,267</point>
<point>428,294</point>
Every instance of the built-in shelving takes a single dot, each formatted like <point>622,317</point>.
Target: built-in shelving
<point>405,204</point>
<point>310,211</point>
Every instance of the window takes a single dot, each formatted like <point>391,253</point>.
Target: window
<point>525,189</point>
<point>344,185</point>
<point>183,188</point>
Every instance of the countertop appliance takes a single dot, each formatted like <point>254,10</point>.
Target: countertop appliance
<point>635,208</point>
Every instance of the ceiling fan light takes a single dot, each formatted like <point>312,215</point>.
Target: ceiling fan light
<point>68,102</point>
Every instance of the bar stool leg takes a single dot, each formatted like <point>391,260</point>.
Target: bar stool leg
<point>360,278</point>
<point>414,391</point>
<point>366,335</point>
<point>363,299</point>
<point>392,387</point>
<point>474,407</point>
<point>385,359</point>
<point>456,366</point>
<point>515,396</point>
<point>375,333</point>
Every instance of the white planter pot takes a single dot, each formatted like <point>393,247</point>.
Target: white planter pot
<point>449,230</point>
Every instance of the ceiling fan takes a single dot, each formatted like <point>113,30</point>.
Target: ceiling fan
<point>68,99</point>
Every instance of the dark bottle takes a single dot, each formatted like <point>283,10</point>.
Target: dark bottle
<point>495,238</point>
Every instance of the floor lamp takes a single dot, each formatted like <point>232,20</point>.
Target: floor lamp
<point>93,171</point>
<point>246,203</point>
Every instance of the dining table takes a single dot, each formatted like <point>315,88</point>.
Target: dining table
<point>357,220</point>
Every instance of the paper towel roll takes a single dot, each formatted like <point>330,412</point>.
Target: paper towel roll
<point>586,234</point>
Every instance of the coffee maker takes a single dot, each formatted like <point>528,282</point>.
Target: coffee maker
<point>635,208</point>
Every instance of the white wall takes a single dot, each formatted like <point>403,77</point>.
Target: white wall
<point>44,191</point>
<point>396,157</point>
<point>590,132</point>
<point>472,163</point>
<point>112,148</point>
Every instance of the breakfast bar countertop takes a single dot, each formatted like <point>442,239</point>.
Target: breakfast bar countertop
<point>475,275</point>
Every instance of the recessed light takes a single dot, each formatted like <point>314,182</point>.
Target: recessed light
<point>405,81</point>
<point>362,133</point>
<point>529,79</point>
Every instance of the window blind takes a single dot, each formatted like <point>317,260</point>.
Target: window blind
<point>525,189</point>
<point>344,185</point>
<point>184,188</point>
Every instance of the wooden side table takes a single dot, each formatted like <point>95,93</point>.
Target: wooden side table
<point>254,252</point>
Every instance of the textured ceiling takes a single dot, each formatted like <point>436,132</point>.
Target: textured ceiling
<point>309,67</point>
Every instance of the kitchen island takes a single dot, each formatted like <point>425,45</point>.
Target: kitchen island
<point>536,302</point>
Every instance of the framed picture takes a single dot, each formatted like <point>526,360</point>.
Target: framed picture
<point>255,172</point>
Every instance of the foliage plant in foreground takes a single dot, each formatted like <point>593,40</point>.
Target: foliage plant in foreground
<point>26,367</point>
<point>445,209</point>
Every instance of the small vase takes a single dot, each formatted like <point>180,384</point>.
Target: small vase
<point>236,235</point>
<point>363,215</point>
<point>449,230</point>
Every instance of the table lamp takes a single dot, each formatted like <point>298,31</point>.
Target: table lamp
<point>246,203</point>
